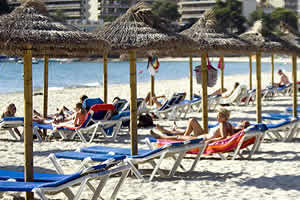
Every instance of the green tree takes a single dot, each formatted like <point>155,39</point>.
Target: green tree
<point>4,8</point>
<point>59,15</point>
<point>229,16</point>
<point>267,19</point>
<point>167,9</point>
<point>285,15</point>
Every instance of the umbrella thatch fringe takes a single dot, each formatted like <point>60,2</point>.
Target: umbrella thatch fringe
<point>205,28</point>
<point>139,29</point>
<point>30,24</point>
<point>266,41</point>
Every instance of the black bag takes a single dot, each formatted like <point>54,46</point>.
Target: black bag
<point>145,121</point>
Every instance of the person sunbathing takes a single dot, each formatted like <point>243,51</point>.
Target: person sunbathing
<point>10,111</point>
<point>155,100</point>
<point>284,80</point>
<point>219,91</point>
<point>77,119</point>
<point>222,131</point>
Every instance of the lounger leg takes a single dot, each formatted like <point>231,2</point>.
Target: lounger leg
<point>201,150</point>
<point>120,183</point>
<point>93,134</point>
<point>222,157</point>
<point>68,192</point>
<point>177,163</point>
<point>135,170</point>
<point>40,193</point>
<point>117,129</point>
<point>36,132</point>
<point>12,133</point>
<point>57,166</point>
<point>81,136</point>
<point>100,187</point>
<point>80,190</point>
<point>157,166</point>
<point>238,148</point>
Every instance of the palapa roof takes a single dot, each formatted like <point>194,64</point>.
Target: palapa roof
<point>139,29</point>
<point>267,41</point>
<point>30,25</point>
<point>205,28</point>
<point>289,34</point>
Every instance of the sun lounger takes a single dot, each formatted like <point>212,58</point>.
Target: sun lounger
<point>9,123</point>
<point>179,148</point>
<point>82,156</point>
<point>271,91</point>
<point>108,128</point>
<point>236,97</point>
<point>167,110</point>
<point>89,102</point>
<point>62,183</point>
<point>285,130</point>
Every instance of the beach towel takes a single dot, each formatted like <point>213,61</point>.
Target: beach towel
<point>225,145</point>
<point>153,65</point>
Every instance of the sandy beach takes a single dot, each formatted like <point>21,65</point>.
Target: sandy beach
<point>273,173</point>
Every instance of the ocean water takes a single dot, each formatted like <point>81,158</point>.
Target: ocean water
<point>89,74</point>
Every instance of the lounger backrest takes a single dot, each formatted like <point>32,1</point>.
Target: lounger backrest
<point>180,97</point>
<point>164,106</point>
<point>99,111</point>
<point>89,102</point>
<point>172,100</point>
<point>120,104</point>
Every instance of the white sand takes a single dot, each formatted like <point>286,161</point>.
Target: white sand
<point>274,173</point>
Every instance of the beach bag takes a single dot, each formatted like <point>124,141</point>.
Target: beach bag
<point>145,121</point>
<point>212,74</point>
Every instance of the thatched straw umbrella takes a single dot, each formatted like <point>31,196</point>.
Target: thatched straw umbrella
<point>291,35</point>
<point>205,28</point>
<point>139,31</point>
<point>30,30</point>
<point>265,41</point>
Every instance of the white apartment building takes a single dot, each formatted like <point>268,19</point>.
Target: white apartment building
<point>194,8</point>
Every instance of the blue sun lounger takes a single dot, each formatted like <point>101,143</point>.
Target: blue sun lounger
<point>285,130</point>
<point>180,149</point>
<point>84,157</point>
<point>62,183</point>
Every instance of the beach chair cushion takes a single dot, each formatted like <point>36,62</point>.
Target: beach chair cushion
<point>38,177</point>
<point>6,121</point>
<point>107,149</point>
<point>89,102</point>
<point>83,155</point>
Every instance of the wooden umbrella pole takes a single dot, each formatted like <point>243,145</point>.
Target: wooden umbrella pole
<point>28,144</point>
<point>272,60</point>
<point>152,88</point>
<point>222,73</point>
<point>294,61</point>
<point>105,77</point>
<point>258,87</point>
<point>204,91</point>
<point>191,78</point>
<point>250,72</point>
<point>45,106</point>
<point>133,105</point>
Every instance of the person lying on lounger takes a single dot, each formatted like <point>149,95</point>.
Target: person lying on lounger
<point>10,111</point>
<point>155,100</point>
<point>78,117</point>
<point>219,91</point>
<point>284,80</point>
<point>222,131</point>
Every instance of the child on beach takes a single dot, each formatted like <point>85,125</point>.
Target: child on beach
<point>10,111</point>
<point>78,118</point>
<point>222,131</point>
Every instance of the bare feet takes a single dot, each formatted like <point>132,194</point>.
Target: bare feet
<point>155,135</point>
<point>174,126</point>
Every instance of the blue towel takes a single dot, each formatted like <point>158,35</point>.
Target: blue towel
<point>106,149</point>
<point>82,155</point>
<point>38,177</point>
<point>270,126</point>
<point>8,119</point>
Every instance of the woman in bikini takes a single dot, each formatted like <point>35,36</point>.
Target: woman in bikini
<point>223,130</point>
